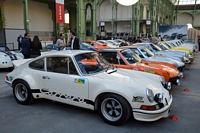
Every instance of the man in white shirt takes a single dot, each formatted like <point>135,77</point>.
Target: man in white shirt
<point>61,43</point>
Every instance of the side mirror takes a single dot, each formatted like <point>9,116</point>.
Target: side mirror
<point>118,57</point>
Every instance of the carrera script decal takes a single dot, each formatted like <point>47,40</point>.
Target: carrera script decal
<point>138,99</point>
<point>149,71</point>
<point>62,96</point>
<point>79,80</point>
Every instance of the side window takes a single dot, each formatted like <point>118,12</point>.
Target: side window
<point>57,64</point>
<point>38,64</point>
<point>72,68</point>
<point>63,65</point>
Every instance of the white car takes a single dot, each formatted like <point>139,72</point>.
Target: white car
<point>110,44</point>
<point>7,56</point>
<point>84,79</point>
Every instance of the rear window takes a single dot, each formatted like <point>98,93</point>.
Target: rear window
<point>38,64</point>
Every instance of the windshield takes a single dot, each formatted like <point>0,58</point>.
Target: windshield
<point>171,44</point>
<point>136,51</point>
<point>85,44</point>
<point>111,42</point>
<point>130,56</point>
<point>91,63</point>
<point>155,48</point>
<point>147,52</point>
<point>163,47</point>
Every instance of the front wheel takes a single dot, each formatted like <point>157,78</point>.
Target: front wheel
<point>22,92</point>
<point>114,109</point>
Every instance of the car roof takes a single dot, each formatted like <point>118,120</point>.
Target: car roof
<point>130,46</point>
<point>66,52</point>
<point>114,49</point>
<point>142,43</point>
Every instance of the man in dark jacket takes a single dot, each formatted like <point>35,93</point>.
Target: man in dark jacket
<point>199,41</point>
<point>137,40</point>
<point>74,41</point>
<point>19,40</point>
<point>26,46</point>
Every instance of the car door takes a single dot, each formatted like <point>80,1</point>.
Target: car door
<point>63,83</point>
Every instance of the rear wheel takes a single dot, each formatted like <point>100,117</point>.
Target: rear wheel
<point>114,109</point>
<point>22,92</point>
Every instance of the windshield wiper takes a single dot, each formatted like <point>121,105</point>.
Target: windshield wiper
<point>112,71</point>
<point>109,66</point>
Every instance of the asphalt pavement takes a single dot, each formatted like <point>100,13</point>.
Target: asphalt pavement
<point>45,116</point>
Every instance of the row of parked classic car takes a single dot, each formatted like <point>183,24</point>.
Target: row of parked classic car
<point>119,82</point>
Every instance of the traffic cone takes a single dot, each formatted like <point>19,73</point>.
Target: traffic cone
<point>185,77</point>
<point>186,90</point>
<point>173,117</point>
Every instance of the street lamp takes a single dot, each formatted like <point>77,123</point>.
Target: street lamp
<point>127,2</point>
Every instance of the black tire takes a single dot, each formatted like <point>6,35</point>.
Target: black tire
<point>114,109</point>
<point>22,92</point>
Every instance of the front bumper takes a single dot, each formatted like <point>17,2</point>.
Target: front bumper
<point>8,83</point>
<point>144,115</point>
<point>181,68</point>
<point>6,64</point>
<point>176,80</point>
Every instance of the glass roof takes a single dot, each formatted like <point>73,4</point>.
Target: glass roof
<point>187,2</point>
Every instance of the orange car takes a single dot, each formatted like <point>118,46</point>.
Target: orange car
<point>97,45</point>
<point>127,59</point>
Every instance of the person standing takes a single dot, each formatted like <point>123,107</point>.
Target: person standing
<point>19,40</point>
<point>74,41</point>
<point>26,46</point>
<point>138,40</point>
<point>61,43</point>
<point>154,40</point>
<point>36,46</point>
<point>199,41</point>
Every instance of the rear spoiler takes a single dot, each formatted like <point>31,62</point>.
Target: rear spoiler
<point>17,63</point>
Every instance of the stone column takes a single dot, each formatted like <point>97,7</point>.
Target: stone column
<point>138,18</point>
<point>133,20</point>
<point>94,18</point>
<point>26,20</point>
<point>81,20</point>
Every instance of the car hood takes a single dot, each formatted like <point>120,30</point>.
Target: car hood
<point>131,77</point>
<point>168,54</point>
<point>165,59</point>
<point>10,54</point>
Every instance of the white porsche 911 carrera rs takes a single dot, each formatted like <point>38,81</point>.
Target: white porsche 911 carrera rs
<point>85,79</point>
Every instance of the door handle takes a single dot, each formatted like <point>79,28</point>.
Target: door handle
<point>45,77</point>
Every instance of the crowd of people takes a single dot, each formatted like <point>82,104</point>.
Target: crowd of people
<point>132,39</point>
<point>31,48</point>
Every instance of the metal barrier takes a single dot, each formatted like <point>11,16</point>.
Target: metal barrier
<point>9,45</point>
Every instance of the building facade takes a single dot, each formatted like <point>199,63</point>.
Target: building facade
<point>86,17</point>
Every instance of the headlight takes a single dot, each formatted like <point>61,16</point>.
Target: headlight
<point>166,85</point>
<point>159,98</point>
<point>150,95</point>
<point>162,80</point>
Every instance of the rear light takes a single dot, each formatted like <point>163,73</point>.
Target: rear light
<point>154,107</point>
